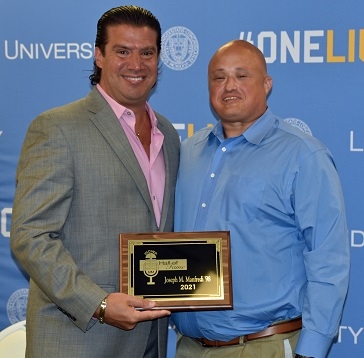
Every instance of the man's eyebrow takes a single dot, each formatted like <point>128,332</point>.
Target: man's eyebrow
<point>119,46</point>
<point>222,69</point>
<point>126,47</point>
<point>149,48</point>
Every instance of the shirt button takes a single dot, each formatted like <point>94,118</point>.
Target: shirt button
<point>212,175</point>
<point>128,113</point>
<point>223,149</point>
<point>203,205</point>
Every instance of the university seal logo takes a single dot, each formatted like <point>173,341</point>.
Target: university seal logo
<point>179,48</point>
<point>17,305</point>
<point>299,124</point>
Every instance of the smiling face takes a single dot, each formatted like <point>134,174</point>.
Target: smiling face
<point>238,85</point>
<point>129,64</point>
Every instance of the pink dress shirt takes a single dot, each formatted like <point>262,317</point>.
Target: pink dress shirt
<point>153,168</point>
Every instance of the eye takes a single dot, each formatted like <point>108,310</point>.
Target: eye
<point>148,53</point>
<point>122,52</point>
<point>218,77</point>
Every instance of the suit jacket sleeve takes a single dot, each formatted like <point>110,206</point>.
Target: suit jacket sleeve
<point>44,194</point>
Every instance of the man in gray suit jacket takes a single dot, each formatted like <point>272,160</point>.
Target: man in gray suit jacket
<point>88,171</point>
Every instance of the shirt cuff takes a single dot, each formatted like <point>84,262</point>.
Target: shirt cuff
<point>313,344</point>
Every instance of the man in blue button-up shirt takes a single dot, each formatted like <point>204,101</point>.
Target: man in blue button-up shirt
<point>276,189</point>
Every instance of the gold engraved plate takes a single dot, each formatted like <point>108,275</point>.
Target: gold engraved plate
<point>180,270</point>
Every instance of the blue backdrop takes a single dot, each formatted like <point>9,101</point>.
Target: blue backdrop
<point>315,54</point>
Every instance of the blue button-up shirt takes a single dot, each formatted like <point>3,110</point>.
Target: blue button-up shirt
<point>277,191</point>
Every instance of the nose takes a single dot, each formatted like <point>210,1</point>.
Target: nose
<point>230,83</point>
<point>135,62</point>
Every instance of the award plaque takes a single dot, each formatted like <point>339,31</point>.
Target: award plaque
<point>178,270</point>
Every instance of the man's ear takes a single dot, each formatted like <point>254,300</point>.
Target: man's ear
<point>98,57</point>
<point>268,83</point>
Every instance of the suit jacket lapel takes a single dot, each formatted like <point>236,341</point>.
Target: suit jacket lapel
<point>168,191</point>
<point>105,120</point>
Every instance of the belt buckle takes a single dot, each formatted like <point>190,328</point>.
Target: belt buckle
<point>202,342</point>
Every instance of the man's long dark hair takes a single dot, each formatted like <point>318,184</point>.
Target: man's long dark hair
<point>129,15</point>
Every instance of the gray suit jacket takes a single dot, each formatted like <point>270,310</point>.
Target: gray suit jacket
<point>79,186</point>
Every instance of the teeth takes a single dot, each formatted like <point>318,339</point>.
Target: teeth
<point>229,98</point>
<point>134,79</point>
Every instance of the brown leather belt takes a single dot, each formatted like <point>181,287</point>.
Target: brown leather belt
<point>275,328</point>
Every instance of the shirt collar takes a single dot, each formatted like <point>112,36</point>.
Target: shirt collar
<point>254,134</point>
<point>119,109</point>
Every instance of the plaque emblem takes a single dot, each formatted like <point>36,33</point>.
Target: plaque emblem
<point>150,266</point>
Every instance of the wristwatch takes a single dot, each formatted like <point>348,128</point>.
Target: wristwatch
<point>299,356</point>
